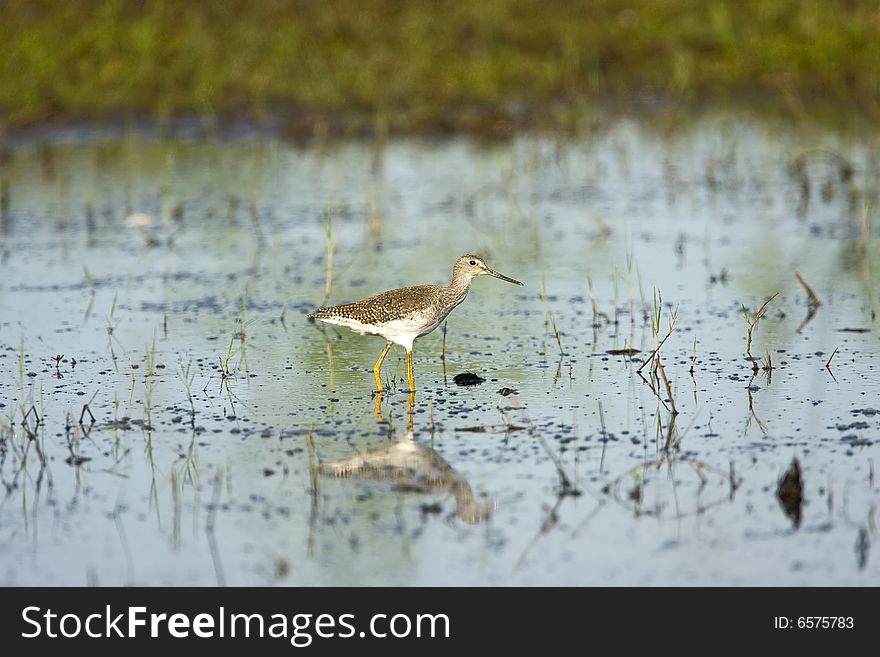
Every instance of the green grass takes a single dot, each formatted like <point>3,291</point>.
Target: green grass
<point>414,65</point>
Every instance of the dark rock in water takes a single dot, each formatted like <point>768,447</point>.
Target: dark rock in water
<point>790,492</point>
<point>467,379</point>
<point>853,425</point>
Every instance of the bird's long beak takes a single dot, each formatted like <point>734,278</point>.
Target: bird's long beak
<point>494,273</point>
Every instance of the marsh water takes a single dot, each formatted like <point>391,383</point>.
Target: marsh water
<point>169,415</point>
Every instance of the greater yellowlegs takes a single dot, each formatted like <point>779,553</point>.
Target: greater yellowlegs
<point>402,315</point>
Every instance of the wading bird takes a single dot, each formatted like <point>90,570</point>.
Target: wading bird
<point>402,315</point>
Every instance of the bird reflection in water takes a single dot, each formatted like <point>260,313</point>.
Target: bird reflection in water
<point>412,467</point>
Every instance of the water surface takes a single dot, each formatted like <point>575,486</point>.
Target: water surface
<point>234,442</point>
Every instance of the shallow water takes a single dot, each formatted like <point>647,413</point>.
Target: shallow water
<point>140,256</point>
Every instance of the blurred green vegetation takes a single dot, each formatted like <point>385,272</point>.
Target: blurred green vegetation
<point>428,65</point>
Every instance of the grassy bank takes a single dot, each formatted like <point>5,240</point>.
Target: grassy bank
<point>431,65</point>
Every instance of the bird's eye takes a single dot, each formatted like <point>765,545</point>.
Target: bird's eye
<point>472,263</point>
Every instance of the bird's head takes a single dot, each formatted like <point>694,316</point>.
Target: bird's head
<point>471,265</point>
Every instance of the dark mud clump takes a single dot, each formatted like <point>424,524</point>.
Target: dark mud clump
<point>467,379</point>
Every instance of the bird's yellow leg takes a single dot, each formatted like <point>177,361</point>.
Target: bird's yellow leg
<point>377,368</point>
<point>377,410</point>
<point>409,373</point>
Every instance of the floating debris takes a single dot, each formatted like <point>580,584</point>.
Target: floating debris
<point>623,352</point>
<point>467,379</point>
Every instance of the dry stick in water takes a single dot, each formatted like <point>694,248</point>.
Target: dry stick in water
<point>654,388</point>
<point>654,353</point>
<point>813,303</point>
<point>754,321</point>
<point>828,363</point>
<point>668,386</point>
<point>752,413</point>
<point>82,415</point>
<point>813,299</point>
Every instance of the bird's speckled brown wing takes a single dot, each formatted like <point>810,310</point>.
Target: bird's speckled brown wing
<point>387,306</point>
